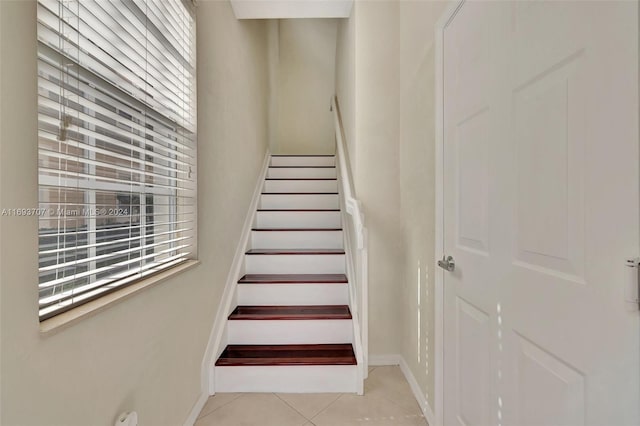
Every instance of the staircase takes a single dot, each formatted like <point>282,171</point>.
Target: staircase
<point>292,329</point>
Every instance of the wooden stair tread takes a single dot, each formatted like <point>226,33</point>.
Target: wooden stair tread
<point>299,193</point>
<point>298,210</point>
<point>293,278</point>
<point>302,167</point>
<point>306,312</point>
<point>294,251</point>
<point>328,354</point>
<point>300,178</point>
<point>296,229</point>
<point>303,155</point>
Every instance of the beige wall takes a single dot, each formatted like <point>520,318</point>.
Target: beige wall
<point>417,187</point>
<point>305,64</point>
<point>385,85</point>
<point>369,96</point>
<point>345,80</point>
<point>144,353</point>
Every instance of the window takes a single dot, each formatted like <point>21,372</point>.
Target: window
<point>117,145</point>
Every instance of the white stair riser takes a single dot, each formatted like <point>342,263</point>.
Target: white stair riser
<point>296,239</point>
<point>299,201</point>
<point>285,332</point>
<point>287,379</point>
<point>303,161</point>
<point>302,172</point>
<point>293,294</point>
<point>298,219</point>
<point>295,264</point>
<point>301,186</point>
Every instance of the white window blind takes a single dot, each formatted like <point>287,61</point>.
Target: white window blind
<point>117,145</point>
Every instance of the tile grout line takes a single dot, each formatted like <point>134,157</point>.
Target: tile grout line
<point>217,408</point>
<point>421,415</point>
<point>316,415</point>
<point>292,407</point>
<point>326,408</point>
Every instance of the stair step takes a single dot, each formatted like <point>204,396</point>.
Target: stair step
<point>308,312</point>
<point>285,179</point>
<point>295,261</point>
<point>296,229</point>
<point>293,279</point>
<point>293,293</point>
<point>301,172</point>
<point>298,219</point>
<point>294,251</point>
<point>289,332</point>
<point>301,185</point>
<point>287,200</point>
<point>273,238</point>
<point>301,193</point>
<point>331,354</point>
<point>293,289</point>
<point>298,210</point>
<point>303,160</point>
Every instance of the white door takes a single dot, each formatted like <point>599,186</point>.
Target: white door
<point>541,211</point>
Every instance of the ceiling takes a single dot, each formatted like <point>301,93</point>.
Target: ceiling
<point>283,9</point>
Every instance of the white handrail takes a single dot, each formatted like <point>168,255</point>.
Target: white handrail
<point>357,260</point>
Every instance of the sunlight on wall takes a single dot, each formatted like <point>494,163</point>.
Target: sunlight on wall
<point>420,304</point>
<point>499,311</point>
<point>419,288</point>
<point>426,343</point>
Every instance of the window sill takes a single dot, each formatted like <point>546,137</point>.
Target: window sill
<point>66,319</point>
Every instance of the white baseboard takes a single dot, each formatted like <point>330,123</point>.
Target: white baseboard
<point>397,359</point>
<point>417,392</point>
<point>378,360</point>
<point>197,408</point>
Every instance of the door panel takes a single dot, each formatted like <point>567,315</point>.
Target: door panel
<point>549,122</point>
<point>473,342</point>
<point>541,211</point>
<point>547,388</point>
<point>473,175</point>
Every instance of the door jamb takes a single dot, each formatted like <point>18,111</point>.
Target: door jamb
<point>449,13</point>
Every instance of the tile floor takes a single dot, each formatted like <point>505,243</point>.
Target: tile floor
<point>388,401</point>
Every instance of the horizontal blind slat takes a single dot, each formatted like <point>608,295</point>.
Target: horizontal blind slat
<point>121,281</point>
<point>61,281</point>
<point>111,255</point>
<point>117,145</point>
<point>119,241</point>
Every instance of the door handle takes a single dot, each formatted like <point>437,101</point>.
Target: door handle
<point>447,263</point>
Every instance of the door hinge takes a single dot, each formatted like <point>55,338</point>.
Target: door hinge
<point>633,295</point>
